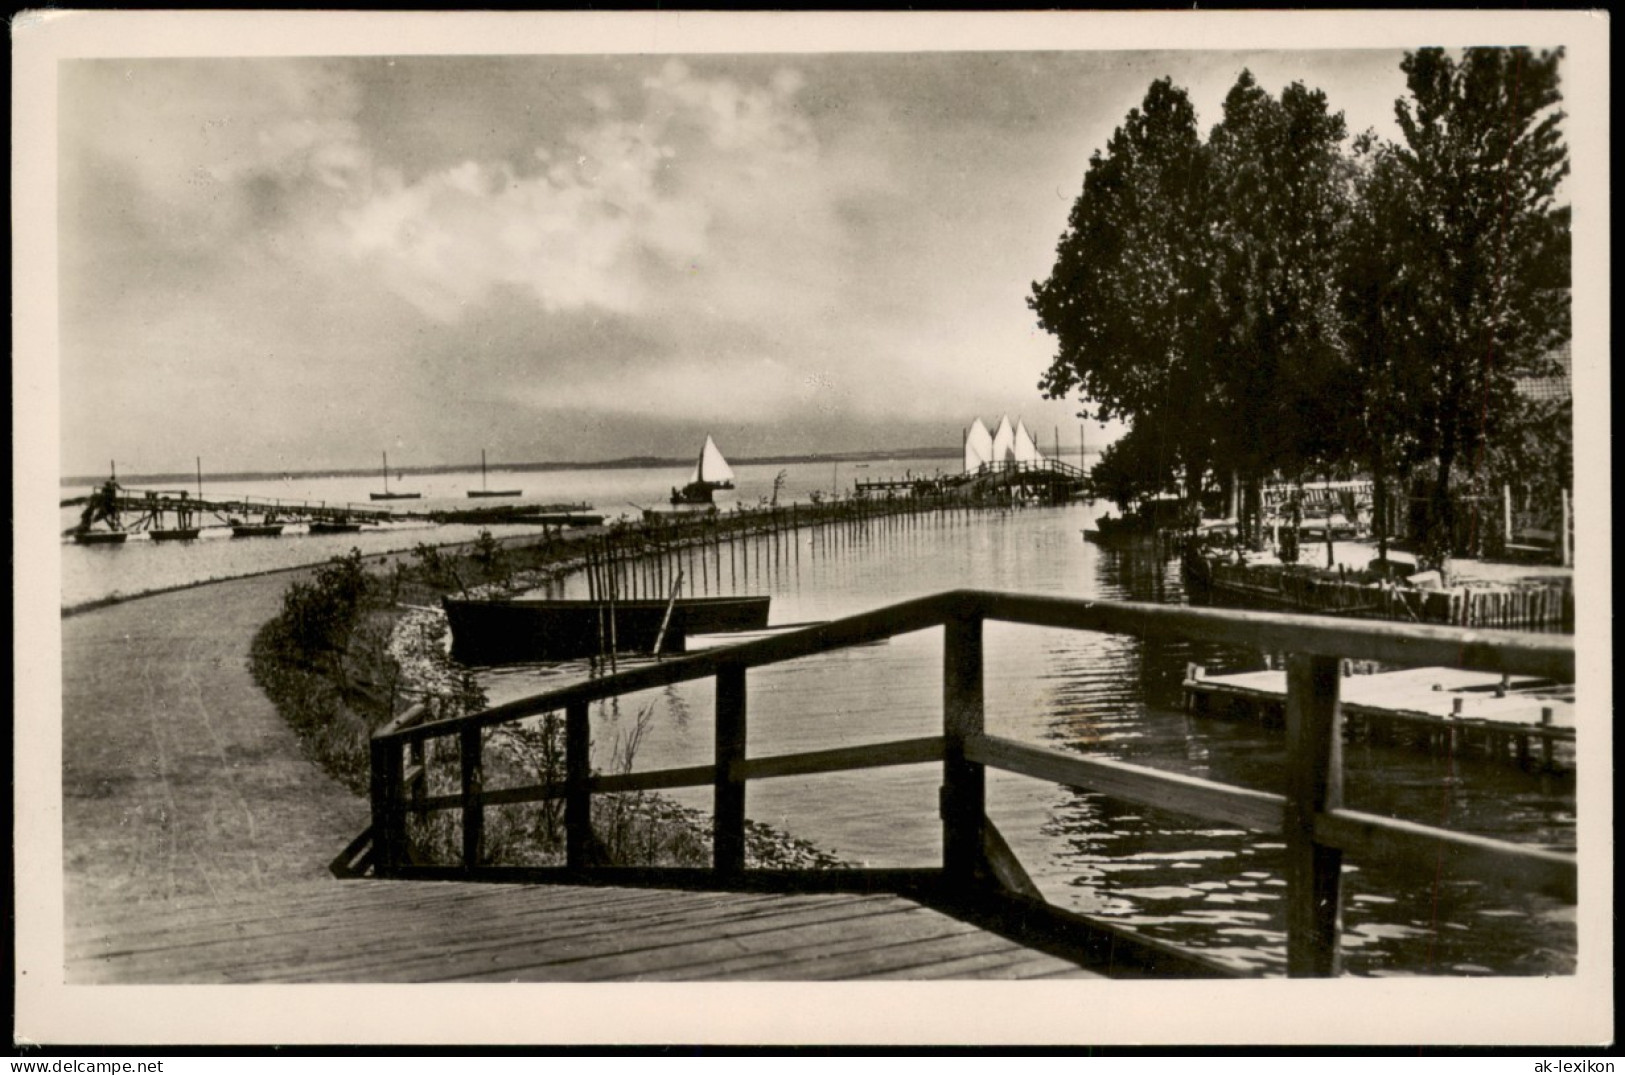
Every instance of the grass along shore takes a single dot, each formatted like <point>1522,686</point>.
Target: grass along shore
<point>353,645</point>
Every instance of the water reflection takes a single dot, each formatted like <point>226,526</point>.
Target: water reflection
<point>1188,881</point>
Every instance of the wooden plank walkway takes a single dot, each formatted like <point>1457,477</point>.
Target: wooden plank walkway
<point>420,931</point>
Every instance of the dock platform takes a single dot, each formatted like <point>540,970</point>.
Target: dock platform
<point>1448,707</point>
<point>364,931</point>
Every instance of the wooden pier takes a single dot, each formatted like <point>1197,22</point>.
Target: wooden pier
<point>979,878</point>
<point>399,915</point>
<point>171,514</point>
<point>447,931</point>
<point>1049,480</point>
<point>1510,718</point>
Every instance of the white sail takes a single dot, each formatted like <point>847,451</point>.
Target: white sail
<point>978,447</point>
<point>711,467</point>
<point>1025,450</point>
<point>1004,441</point>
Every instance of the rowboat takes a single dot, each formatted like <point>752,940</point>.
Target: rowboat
<point>245,530</point>
<point>183,533</point>
<point>496,632</point>
<point>333,526</point>
<point>101,537</point>
<point>482,491</point>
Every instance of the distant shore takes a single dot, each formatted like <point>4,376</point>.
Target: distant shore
<point>628,463</point>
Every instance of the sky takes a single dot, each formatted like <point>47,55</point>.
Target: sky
<point>279,264</point>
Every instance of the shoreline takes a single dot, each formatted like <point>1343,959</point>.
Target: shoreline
<point>95,603</point>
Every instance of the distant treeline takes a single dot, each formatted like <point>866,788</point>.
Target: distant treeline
<point>629,463</point>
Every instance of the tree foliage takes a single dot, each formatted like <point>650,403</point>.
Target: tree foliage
<point>1480,164</point>
<point>1273,300</point>
<point>1127,300</point>
<point>1281,190</point>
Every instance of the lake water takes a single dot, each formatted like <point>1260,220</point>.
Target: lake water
<point>96,571</point>
<point>1207,886</point>
<point>1194,883</point>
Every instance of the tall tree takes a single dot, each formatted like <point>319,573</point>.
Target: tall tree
<point>1280,187</point>
<point>1482,158</point>
<point>1380,285</point>
<point>1128,297</point>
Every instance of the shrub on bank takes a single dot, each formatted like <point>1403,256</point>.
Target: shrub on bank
<point>335,664</point>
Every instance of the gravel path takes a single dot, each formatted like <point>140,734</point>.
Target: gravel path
<point>179,778</point>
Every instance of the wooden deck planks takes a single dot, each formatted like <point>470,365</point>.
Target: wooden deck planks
<point>1427,695</point>
<point>398,931</point>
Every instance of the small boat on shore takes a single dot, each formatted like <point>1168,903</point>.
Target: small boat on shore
<point>386,494</point>
<point>184,533</point>
<point>711,473</point>
<point>482,491</point>
<point>334,526</point>
<point>498,632</point>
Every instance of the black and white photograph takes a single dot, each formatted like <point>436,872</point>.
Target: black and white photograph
<point>766,528</point>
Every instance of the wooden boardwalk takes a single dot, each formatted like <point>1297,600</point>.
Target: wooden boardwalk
<point>362,931</point>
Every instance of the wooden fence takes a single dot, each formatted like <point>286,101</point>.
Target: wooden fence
<point>979,877</point>
<point>1543,606</point>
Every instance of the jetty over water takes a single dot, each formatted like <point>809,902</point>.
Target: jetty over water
<point>1049,480</point>
<point>143,509</point>
<point>392,911</point>
<point>980,879</point>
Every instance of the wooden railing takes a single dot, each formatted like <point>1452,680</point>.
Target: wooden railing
<point>979,877</point>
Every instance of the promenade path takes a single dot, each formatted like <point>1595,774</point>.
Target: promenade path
<point>197,834</point>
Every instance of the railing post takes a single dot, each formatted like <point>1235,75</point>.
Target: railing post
<point>470,743</point>
<point>964,783</point>
<point>728,847</point>
<point>577,799</point>
<point>1314,783</point>
<point>388,817</point>
<point>418,789</point>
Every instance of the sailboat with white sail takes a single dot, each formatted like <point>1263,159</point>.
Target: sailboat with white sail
<point>711,473</point>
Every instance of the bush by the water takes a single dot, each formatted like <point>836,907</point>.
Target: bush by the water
<point>350,649</point>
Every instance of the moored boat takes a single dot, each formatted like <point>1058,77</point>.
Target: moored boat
<point>334,526</point>
<point>482,491</point>
<point>497,632</point>
<point>183,533</point>
<point>386,494</point>
<point>101,537</point>
<point>243,530</point>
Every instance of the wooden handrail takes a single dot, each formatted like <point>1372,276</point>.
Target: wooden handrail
<point>1309,814</point>
<point>1550,656</point>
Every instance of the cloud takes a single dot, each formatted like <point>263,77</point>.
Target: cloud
<point>619,212</point>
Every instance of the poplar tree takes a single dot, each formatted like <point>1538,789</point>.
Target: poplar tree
<point>1480,165</point>
<point>1280,188</point>
<point>1128,297</point>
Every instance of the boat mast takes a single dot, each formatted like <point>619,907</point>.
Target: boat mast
<point>199,477</point>
<point>386,472</point>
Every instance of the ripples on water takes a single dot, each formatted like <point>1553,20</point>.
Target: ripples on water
<point>1196,883</point>
<point>1192,882</point>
